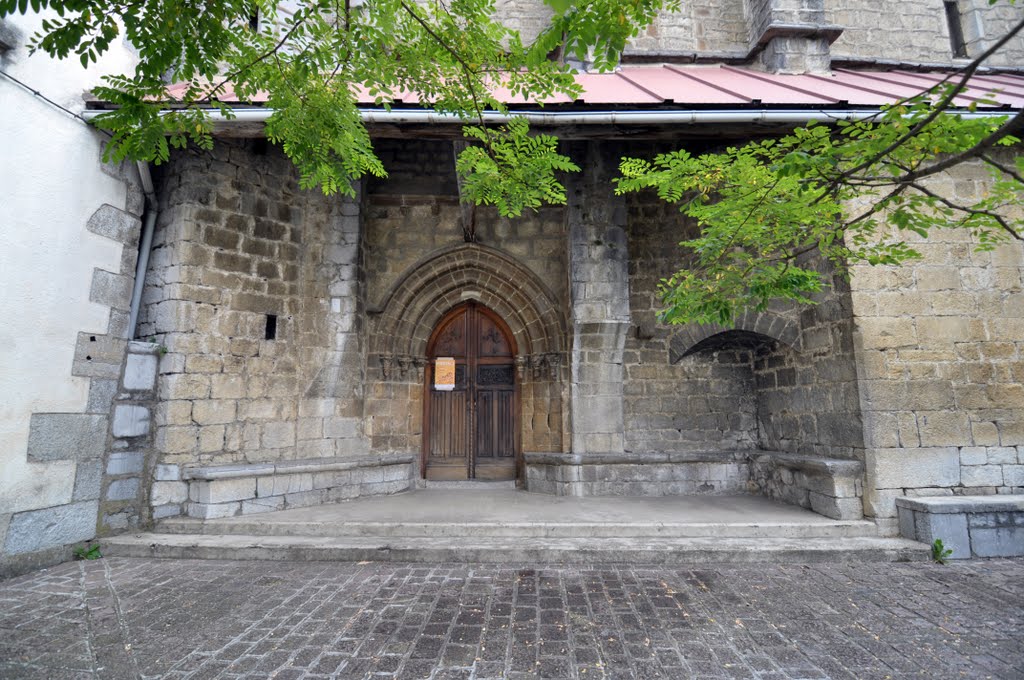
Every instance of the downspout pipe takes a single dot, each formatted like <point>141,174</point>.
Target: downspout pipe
<point>678,117</point>
<point>145,246</point>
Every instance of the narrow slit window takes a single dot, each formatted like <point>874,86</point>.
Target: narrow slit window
<point>956,29</point>
<point>271,328</point>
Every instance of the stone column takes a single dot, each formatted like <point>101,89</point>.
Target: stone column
<point>791,36</point>
<point>598,270</point>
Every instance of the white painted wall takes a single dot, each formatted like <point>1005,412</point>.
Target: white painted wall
<point>50,183</point>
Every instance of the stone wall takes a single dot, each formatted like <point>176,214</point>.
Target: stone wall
<point>917,31</point>
<point>785,380</point>
<point>782,380</point>
<point>808,402</point>
<point>871,30</point>
<point>225,256</point>
<point>790,36</point>
<point>415,212</point>
<point>704,401</point>
<point>238,243</point>
<point>698,29</point>
<point>940,352</point>
<point>253,289</point>
<point>968,526</point>
<point>599,306</point>
<point>985,23</point>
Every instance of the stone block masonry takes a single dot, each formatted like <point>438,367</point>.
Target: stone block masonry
<point>130,457</point>
<point>781,380</point>
<point>254,290</point>
<point>599,279</point>
<point>940,349</point>
<point>50,528</point>
<point>229,490</point>
<point>630,474</point>
<point>829,487</point>
<point>969,526</point>
<point>917,31</point>
<point>417,266</point>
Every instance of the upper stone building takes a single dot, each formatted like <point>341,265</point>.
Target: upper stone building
<point>297,349</point>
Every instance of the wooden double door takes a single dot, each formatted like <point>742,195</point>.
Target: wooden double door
<point>472,430</point>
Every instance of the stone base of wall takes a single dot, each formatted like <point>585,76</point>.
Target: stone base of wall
<point>827,486</point>
<point>638,474</point>
<point>16,565</point>
<point>228,490</point>
<point>970,526</point>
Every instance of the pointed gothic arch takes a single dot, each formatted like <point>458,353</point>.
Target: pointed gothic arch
<point>454,275</point>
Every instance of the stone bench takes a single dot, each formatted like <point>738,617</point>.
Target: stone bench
<point>228,490</point>
<point>970,526</point>
<point>638,474</point>
<point>828,486</point>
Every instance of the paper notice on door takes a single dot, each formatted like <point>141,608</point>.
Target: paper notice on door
<point>444,374</point>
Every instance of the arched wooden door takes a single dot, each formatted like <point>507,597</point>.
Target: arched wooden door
<point>472,431</point>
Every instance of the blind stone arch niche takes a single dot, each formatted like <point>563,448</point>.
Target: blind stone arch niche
<point>801,375</point>
<point>770,326</point>
<point>400,329</point>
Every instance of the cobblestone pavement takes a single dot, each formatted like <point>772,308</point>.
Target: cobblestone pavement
<point>147,618</point>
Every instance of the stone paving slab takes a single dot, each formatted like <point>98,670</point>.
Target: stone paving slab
<point>149,618</point>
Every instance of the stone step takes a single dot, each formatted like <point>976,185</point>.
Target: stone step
<point>264,525</point>
<point>466,485</point>
<point>580,551</point>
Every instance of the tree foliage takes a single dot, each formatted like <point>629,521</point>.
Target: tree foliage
<point>313,60</point>
<point>768,211</point>
<point>765,208</point>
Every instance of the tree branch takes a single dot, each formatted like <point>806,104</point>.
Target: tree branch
<point>1002,168</point>
<point>876,208</point>
<point>999,219</point>
<point>968,72</point>
<point>1010,127</point>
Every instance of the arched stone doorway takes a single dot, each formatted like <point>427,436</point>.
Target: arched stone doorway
<point>471,429</point>
<point>401,326</point>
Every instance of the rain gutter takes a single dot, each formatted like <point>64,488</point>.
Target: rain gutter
<point>678,117</point>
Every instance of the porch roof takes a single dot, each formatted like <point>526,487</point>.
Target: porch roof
<point>672,86</point>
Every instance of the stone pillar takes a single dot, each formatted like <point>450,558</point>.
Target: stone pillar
<point>791,36</point>
<point>598,270</point>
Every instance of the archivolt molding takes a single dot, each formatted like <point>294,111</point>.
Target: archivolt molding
<point>782,329</point>
<point>452,276</point>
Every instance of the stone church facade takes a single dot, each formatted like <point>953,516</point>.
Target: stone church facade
<point>287,348</point>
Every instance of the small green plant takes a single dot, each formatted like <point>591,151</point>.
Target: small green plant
<point>940,553</point>
<point>89,551</point>
<point>161,348</point>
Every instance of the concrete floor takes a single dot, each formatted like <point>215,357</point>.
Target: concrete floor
<point>505,506</point>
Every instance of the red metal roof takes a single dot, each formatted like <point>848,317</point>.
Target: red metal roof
<point>692,86</point>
